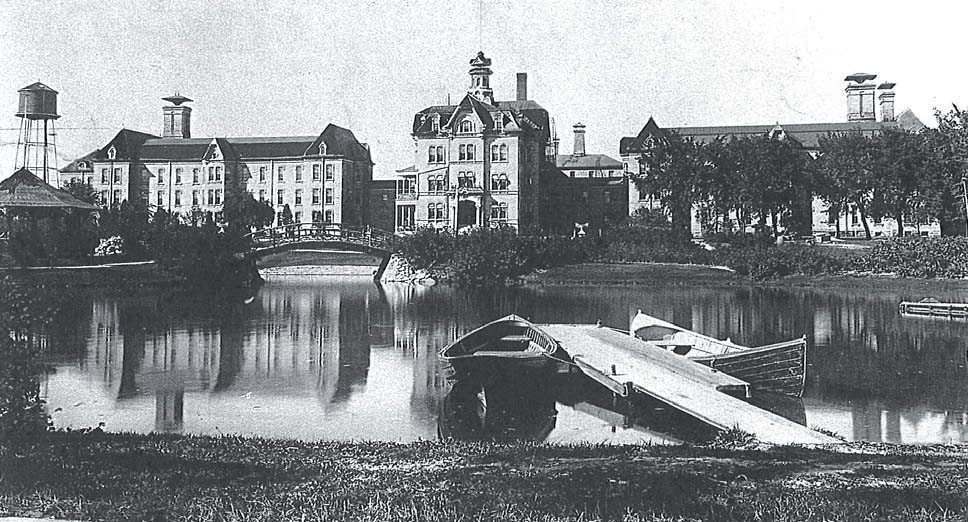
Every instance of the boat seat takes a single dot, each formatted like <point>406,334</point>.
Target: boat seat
<point>516,338</point>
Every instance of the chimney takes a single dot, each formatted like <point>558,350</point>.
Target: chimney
<point>522,87</point>
<point>178,117</point>
<point>860,97</point>
<point>886,99</point>
<point>579,149</point>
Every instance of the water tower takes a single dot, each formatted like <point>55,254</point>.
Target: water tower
<point>36,150</point>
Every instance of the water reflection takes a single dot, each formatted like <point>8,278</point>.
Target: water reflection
<point>342,358</point>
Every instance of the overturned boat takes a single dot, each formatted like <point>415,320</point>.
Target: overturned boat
<point>778,368</point>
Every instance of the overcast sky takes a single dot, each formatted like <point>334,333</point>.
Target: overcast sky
<point>267,68</point>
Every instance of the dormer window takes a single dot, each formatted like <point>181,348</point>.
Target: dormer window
<point>215,154</point>
<point>81,165</point>
<point>112,153</point>
<point>435,123</point>
<point>322,148</point>
<point>466,126</point>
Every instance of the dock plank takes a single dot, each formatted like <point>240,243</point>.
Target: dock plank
<point>675,380</point>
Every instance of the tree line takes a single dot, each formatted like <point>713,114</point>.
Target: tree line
<point>768,181</point>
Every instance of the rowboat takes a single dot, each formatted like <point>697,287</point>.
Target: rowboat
<point>778,368</point>
<point>506,346</point>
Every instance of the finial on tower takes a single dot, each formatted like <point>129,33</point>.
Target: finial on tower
<point>480,78</point>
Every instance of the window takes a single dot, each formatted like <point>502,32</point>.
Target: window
<point>282,173</point>
<point>299,196</point>
<point>177,198</point>
<point>435,154</point>
<point>405,217</point>
<point>178,176</point>
<point>195,176</point>
<point>218,173</point>
<point>211,197</point>
<point>279,196</point>
<point>329,196</point>
<point>112,153</point>
<point>117,196</point>
<point>466,126</point>
<point>297,217</point>
<point>316,174</point>
<point>211,173</point>
<point>328,216</point>
<point>104,175</point>
<point>465,179</point>
<point>262,174</point>
<point>315,196</point>
<point>329,172</point>
<point>81,165</point>
<point>298,173</point>
<point>437,183</point>
<point>218,196</point>
<point>435,123</point>
<point>503,153</point>
<point>194,198</point>
<point>160,200</point>
<point>161,176</point>
<point>470,152</point>
<point>406,187</point>
<point>462,153</point>
<point>262,195</point>
<point>436,212</point>
<point>104,196</point>
<point>499,182</point>
<point>494,153</point>
<point>117,175</point>
<point>499,212</point>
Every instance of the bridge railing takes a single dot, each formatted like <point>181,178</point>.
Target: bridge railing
<point>287,234</point>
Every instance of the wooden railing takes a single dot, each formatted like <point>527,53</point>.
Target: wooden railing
<point>367,237</point>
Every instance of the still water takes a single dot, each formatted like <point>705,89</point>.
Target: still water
<point>341,358</point>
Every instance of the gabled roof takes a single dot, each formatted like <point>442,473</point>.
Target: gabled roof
<point>25,190</point>
<point>807,134</point>
<point>587,162</point>
<point>87,158</point>
<point>339,142</point>
<point>127,144</point>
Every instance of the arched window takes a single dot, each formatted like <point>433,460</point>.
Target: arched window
<point>440,154</point>
<point>499,182</point>
<point>504,152</point>
<point>471,152</point>
<point>461,152</point>
<point>465,179</point>
<point>466,126</point>
<point>499,212</point>
<point>112,153</point>
<point>432,155</point>
<point>494,153</point>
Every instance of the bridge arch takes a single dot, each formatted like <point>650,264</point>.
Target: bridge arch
<point>367,240</point>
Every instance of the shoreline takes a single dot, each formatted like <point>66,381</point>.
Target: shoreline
<point>105,476</point>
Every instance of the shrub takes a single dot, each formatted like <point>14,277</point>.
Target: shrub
<point>427,249</point>
<point>918,257</point>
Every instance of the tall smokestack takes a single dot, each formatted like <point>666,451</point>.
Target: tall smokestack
<point>579,149</point>
<point>860,97</point>
<point>178,117</point>
<point>886,99</point>
<point>522,87</point>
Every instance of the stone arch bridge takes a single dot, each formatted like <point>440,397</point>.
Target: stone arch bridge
<point>367,240</point>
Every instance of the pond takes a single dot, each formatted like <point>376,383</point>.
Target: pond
<point>341,358</point>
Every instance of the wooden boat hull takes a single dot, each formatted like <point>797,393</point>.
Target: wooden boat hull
<point>777,368</point>
<point>504,348</point>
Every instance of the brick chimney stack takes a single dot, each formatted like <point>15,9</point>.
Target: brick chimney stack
<point>178,117</point>
<point>886,99</point>
<point>860,97</point>
<point>522,94</point>
<point>579,149</point>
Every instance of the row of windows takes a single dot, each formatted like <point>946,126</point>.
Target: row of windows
<point>214,197</point>
<point>281,173</point>
<point>435,153</point>
<point>298,200</point>
<point>438,212</point>
<point>214,174</point>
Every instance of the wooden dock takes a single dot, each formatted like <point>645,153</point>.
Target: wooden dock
<point>934,308</point>
<point>625,365</point>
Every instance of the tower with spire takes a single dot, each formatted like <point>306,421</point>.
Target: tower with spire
<point>481,79</point>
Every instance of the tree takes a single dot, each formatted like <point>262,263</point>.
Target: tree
<point>843,173</point>
<point>82,191</point>
<point>673,168</point>
<point>898,160</point>
<point>941,188</point>
<point>285,217</point>
<point>246,212</point>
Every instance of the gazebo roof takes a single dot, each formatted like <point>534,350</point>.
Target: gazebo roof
<point>25,190</point>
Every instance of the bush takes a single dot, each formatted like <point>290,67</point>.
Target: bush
<point>771,262</point>
<point>918,257</point>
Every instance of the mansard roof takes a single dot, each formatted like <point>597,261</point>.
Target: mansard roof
<point>339,142</point>
<point>807,134</point>
<point>526,115</point>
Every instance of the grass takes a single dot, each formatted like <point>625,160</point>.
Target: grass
<point>161,477</point>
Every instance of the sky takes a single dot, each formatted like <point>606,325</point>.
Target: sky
<point>288,68</point>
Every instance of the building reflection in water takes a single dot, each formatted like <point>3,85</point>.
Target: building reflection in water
<point>342,358</point>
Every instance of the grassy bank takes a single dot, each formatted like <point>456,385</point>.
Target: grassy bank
<point>153,477</point>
